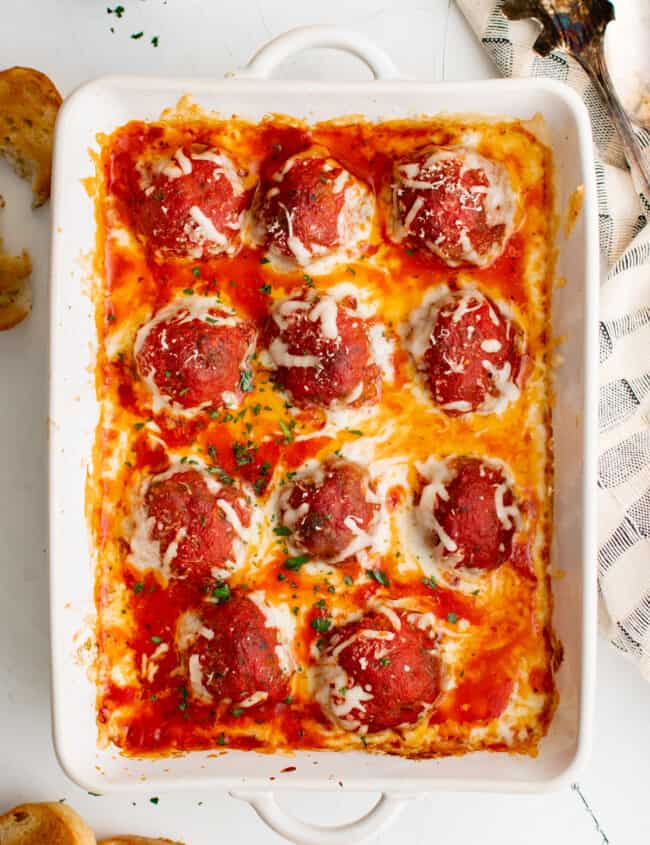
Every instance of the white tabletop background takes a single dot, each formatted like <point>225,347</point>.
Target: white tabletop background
<point>71,40</point>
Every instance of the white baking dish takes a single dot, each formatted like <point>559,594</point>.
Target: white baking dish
<point>103,105</point>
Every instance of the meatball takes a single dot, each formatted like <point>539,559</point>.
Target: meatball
<point>192,355</point>
<point>233,653</point>
<point>453,203</point>
<point>469,353</point>
<point>313,209</point>
<point>378,672</point>
<point>330,510</point>
<point>190,204</point>
<point>189,524</point>
<point>471,512</point>
<point>321,351</point>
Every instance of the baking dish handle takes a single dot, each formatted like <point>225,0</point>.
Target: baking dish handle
<point>268,57</point>
<point>376,820</point>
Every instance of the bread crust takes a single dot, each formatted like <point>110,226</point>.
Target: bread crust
<point>29,104</point>
<point>37,824</point>
<point>15,292</point>
<point>137,840</point>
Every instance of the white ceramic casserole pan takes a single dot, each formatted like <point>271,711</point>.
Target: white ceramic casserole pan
<point>103,105</point>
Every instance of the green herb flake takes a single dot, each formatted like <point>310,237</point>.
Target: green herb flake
<point>410,251</point>
<point>139,426</point>
<point>364,741</point>
<point>288,700</point>
<point>188,291</point>
<point>379,576</point>
<point>286,431</point>
<point>246,381</point>
<point>156,640</point>
<point>321,624</point>
<point>221,593</point>
<point>138,587</point>
<point>385,661</point>
<point>430,582</point>
<point>265,260</point>
<point>136,35</point>
<point>308,280</point>
<point>281,531</point>
<point>266,289</point>
<point>118,11</point>
<point>452,617</point>
<point>154,800</point>
<point>221,739</point>
<point>184,700</point>
<point>155,41</point>
<point>356,431</point>
<point>294,563</point>
<point>321,604</point>
<point>347,580</point>
<point>184,391</point>
<point>111,318</point>
<point>237,711</point>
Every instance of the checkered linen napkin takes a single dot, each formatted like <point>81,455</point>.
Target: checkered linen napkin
<point>624,412</point>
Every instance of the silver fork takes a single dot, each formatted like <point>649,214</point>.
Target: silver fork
<point>578,27</point>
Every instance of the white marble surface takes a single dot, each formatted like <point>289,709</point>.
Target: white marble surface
<point>71,40</point>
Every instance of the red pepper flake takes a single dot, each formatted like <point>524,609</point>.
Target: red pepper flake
<point>288,769</point>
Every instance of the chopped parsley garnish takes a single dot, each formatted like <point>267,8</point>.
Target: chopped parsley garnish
<point>379,576</point>
<point>237,711</point>
<point>294,563</point>
<point>321,604</point>
<point>264,260</point>
<point>321,624</point>
<point>138,426</point>
<point>223,476</point>
<point>385,661</point>
<point>221,593</point>
<point>282,576</point>
<point>184,699</point>
<point>452,617</point>
<point>221,739</point>
<point>295,610</point>
<point>138,587</point>
<point>308,280</point>
<point>111,318</point>
<point>156,640</point>
<point>214,415</point>
<point>351,270</point>
<point>357,432</point>
<point>136,35</point>
<point>364,741</point>
<point>246,381</point>
<point>410,251</point>
<point>188,291</point>
<point>154,800</point>
<point>343,691</point>
<point>430,582</point>
<point>155,41</point>
<point>286,431</point>
<point>475,592</point>
<point>347,580</point>
<point>288,700</point>
<point>184,391</point>
<point>266,289</point>
<point>243,453</point>
<point>118,11</point>
<point>196,272</point>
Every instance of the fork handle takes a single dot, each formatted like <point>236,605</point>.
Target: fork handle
<point>593,62</point>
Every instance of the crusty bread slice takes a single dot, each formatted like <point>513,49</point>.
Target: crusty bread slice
<point>137,840</point>
<point>29,104</point>
<point>44,824</point>
<point>15,292</point>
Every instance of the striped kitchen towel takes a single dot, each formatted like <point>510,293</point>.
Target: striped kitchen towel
<point>624,465</point>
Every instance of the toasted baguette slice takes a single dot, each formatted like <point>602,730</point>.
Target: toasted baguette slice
<point>44,824</point>
<point>15,292</point>
<point>29,104</point>
<point>137,840</point>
